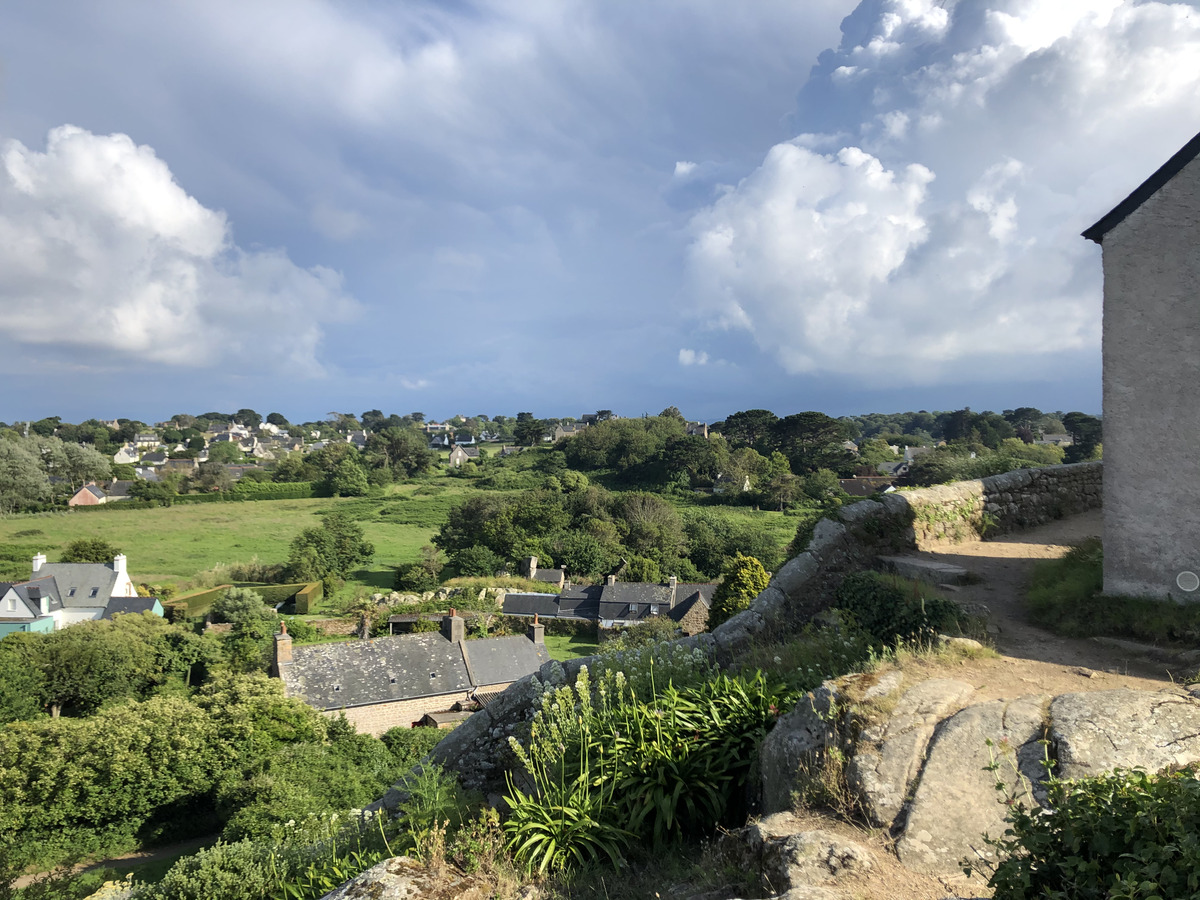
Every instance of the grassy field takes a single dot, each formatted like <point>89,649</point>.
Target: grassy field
<point>174,544</point>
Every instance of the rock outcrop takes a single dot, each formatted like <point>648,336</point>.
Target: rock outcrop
<point>940,774</point>
<point>402,878</point>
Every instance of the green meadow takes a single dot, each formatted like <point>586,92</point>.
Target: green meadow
<point>173,544</point>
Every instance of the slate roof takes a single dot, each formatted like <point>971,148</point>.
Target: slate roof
<point>576,603</point>
<point>119,489</point>
<point>503,659</point>
<point>695,594</point>
<point>30,594</point>
<point>81,584</point>
<point>625,601</point>
<point>406,667</point>
<point>359,673</point>
<point>1144,191</point>
<point>128,605</point>
<point>550,576</point>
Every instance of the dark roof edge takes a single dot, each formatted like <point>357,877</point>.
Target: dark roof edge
<point>1144,191</point>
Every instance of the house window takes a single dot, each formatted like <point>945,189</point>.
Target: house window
<point>654,609</point>
<point>71,592</point>
<point>12,604</point>
<point>94,592</point>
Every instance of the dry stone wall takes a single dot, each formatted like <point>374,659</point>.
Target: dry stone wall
<point>478,749</point>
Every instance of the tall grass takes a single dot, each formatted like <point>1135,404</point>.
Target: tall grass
<point>1066,596</point>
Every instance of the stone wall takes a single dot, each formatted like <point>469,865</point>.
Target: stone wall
<point>1000,504</point>
<point>378,718</point>
<point>851,540</point>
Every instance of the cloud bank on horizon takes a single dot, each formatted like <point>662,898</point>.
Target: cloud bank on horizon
<point>926,221</point>
<point>408,202</point>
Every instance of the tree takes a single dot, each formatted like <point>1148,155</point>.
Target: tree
<point>329,552</point>
<point>225,452</point>
<point>528,430</point>
<point>277,419</point>
<point>1086,434</point>
<point>476,560</point>
<point>83,464</point>
<point>247,417</point>
<point>213,476</point>
<point>161,492</point>
<point>348,480</point>
<point>23,483</point>
<point>403,451</point>
<point>811,440</point>
<point>90,550</point>
<point>744,579</point>
<point>750,428</point>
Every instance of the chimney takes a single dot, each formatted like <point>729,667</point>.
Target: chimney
<point>454,629</point>
<point>283,650</point>
<point>673,584</point>
<point>530,566</point>
<point>537,631</point>
<point>38,562</point>
<point>610,579</point>
<point>119,563</point>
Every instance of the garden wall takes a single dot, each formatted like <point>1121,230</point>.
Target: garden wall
<point>850,540</point>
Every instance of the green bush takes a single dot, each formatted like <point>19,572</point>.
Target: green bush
<point>237,871</point>
<point>893,609</point>
<point>1120,836</point>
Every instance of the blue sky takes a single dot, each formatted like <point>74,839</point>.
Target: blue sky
<point>565,205</point>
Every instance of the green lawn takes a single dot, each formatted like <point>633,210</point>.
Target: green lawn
<point>564,646</point>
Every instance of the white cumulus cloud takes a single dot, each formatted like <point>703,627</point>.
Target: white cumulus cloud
<point>692,357</point>
<point>105,259</point>
<point>929,216</point>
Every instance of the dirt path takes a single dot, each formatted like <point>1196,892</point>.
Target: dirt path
<point>127,861</point>
<point>1040,661</point>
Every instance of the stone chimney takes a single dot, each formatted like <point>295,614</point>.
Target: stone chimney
<point>38,562</point>
<point>529,566</point>
<point>610,579</point>
<point>673,584</point>
<point>119,563</point>
<point>454,629</point>
<point>283,650</point>
<point>537,631</point>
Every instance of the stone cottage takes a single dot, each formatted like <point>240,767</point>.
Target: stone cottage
<point>1151,259</point>
<point>393,682</point>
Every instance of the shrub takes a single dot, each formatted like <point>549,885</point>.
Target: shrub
<point>1126,834</point>
<point>892,609</point>
<point>238,871</point>
<point>744,579</point>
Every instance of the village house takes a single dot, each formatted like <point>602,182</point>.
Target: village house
<point>393,682</point>
<point>461,454</point>
<point>570,430</point>
<point>61,594</point>
<point>1151,269</point>
<point>615,604</point>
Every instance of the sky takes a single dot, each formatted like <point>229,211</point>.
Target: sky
<point>558,206</point>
